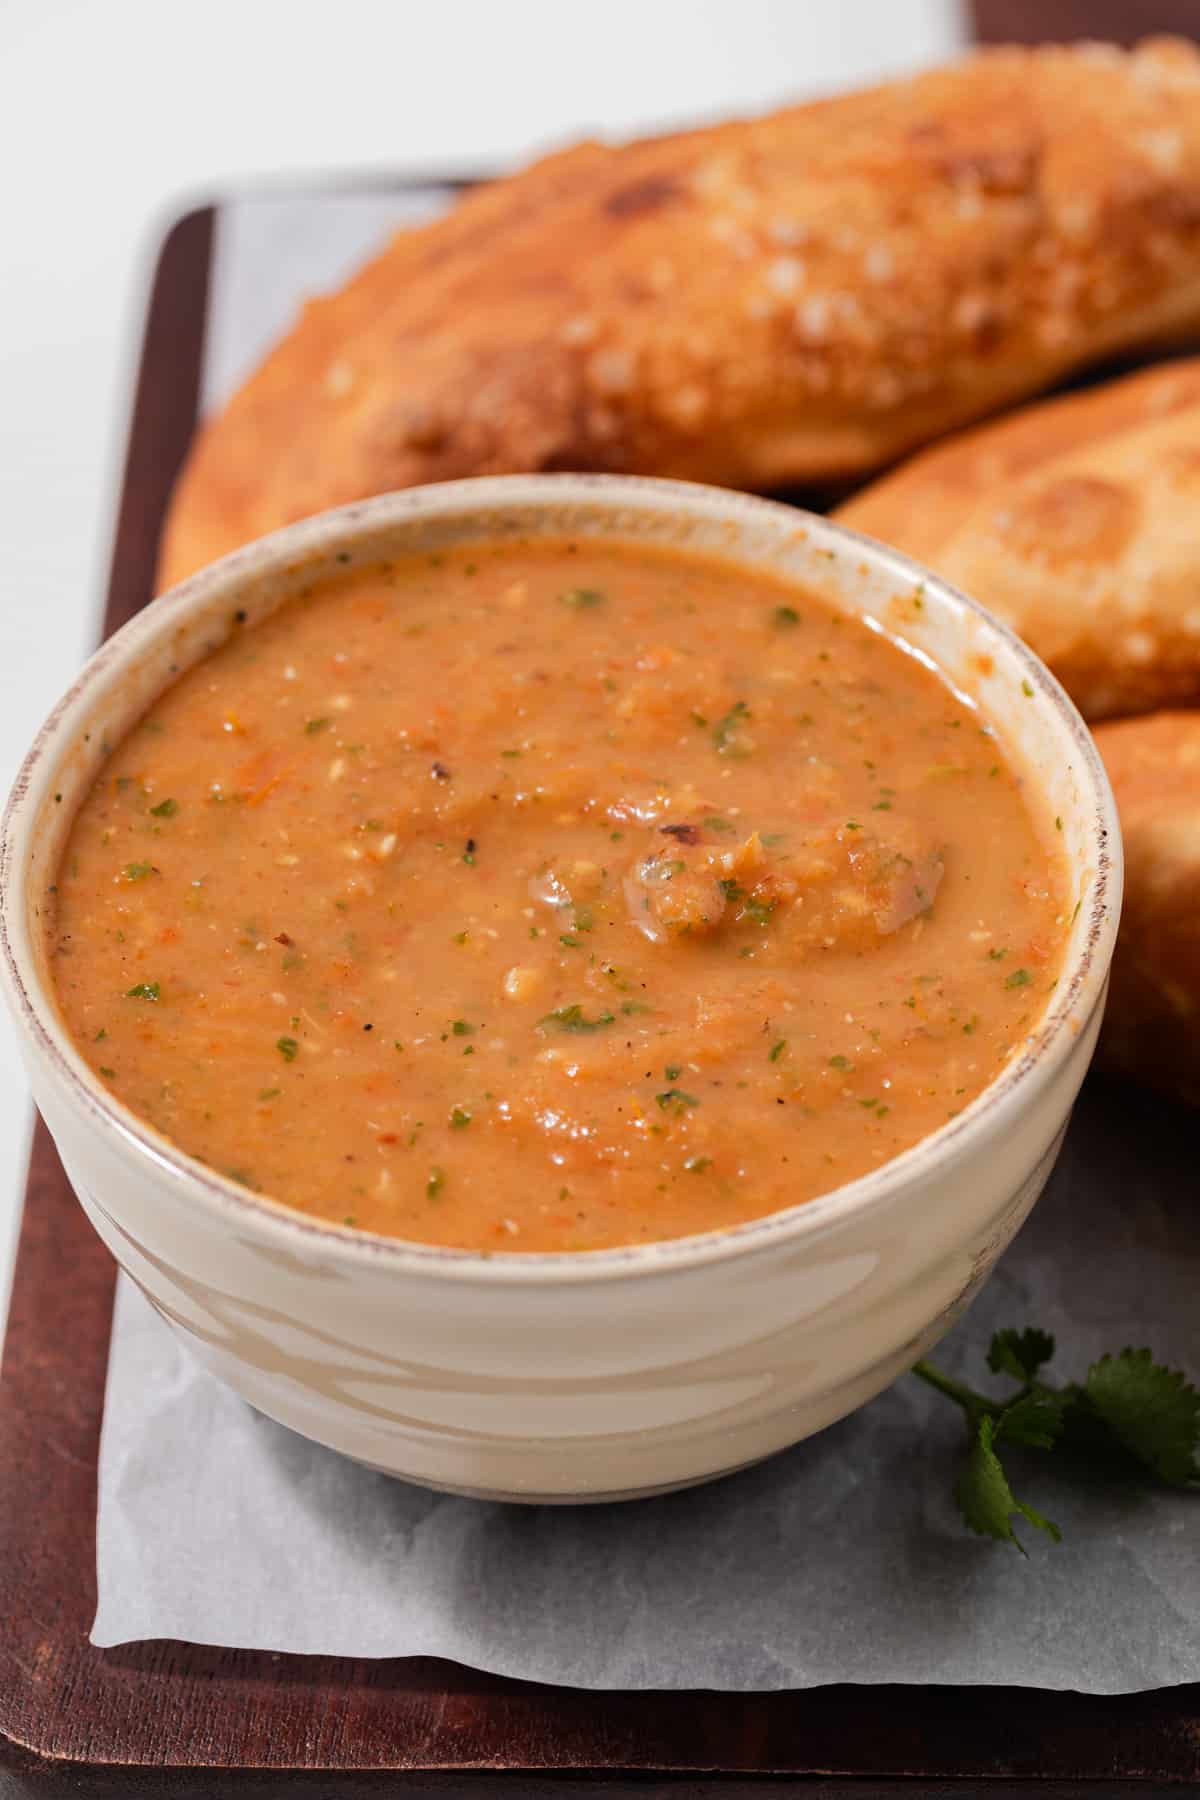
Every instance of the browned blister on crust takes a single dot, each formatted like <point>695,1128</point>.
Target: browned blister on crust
<point>1152,1027</point>
<point>797,297</point>
<point>1078,522</point>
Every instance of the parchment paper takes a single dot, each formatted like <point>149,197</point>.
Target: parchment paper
<point>840,1560</point>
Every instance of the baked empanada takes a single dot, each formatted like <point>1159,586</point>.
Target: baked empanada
<point>1078,522</point>
<point>1152,1026</point>
<point>793,298</point>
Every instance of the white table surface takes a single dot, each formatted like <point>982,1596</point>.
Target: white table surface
<point>114,115</point>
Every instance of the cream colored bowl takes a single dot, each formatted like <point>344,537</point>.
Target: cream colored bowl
<point>603,1373</point>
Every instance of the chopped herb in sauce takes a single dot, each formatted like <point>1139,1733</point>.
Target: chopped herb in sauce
<point>573,1018</point>
<point>785,616</point>
<point>758,910</point>
<point>143,990</point>
<point>461,1028</point>
<point>287,1048</point>
<point>777,1049</point>
<point>435,1183</point>
<point>460,1118</point>
<point>727,733</point>
<point>1018,979</point>
<point>582,599</point>
<point>166,809</point>
<point>138,871</point>
<point>312,726</point>
<point>676,1101</point>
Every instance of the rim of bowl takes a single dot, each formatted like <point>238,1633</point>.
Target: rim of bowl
<point>1079,989</point>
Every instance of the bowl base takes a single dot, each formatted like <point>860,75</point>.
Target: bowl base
<point>531,1498</point>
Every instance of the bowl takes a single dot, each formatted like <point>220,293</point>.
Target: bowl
<point>590,1375</point>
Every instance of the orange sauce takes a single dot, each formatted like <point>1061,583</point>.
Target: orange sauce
<point>555,897</point>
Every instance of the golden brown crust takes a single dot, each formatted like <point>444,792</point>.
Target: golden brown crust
<point>1152,1027</point>
<point>1078,522</point>
<point>796,297</point>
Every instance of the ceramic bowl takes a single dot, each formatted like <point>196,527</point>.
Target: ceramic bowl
<point>601,1374</point>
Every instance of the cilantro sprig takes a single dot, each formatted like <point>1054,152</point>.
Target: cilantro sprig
<point>1128,1413</point>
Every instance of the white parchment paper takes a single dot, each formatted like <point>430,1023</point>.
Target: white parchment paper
<point>840,1560</point>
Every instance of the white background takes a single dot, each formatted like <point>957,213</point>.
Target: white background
<point>116,113</point>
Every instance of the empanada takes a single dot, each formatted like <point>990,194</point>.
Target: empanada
<point>797,297</point>
<point>1152,1027</point>
<point>1078,522</point>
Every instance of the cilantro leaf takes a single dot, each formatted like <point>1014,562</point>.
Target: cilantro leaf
<point>986,1500</point>
<point>1020,1353</point>
<point>1032,1419</point>
<point>1152,1412</point>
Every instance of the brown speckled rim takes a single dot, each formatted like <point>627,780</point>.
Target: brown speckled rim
<point>993,1112</point>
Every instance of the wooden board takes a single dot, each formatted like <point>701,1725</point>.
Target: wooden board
<point>164,1718</point>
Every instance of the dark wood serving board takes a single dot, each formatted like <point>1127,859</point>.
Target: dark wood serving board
<point>164,1718</point>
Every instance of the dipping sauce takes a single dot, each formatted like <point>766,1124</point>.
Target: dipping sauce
<point>555,896</point>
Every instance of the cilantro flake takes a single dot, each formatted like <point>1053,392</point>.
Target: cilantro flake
<point>727,733</point>
<point>573,1018</point>
<point>676,1101</point>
